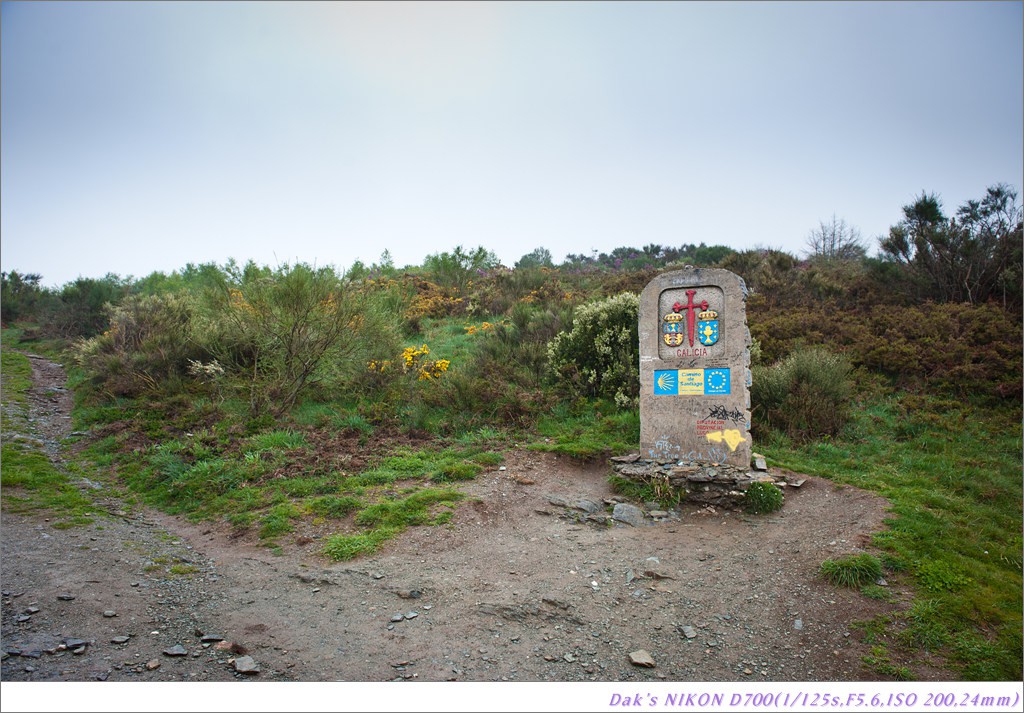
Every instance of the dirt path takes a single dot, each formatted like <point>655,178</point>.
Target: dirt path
<point>514,589</point>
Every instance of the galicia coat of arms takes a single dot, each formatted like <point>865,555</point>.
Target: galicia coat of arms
<point>672,329</point>
<point>707,327</point>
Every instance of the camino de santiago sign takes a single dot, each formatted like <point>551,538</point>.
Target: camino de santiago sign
<point>695,368</point>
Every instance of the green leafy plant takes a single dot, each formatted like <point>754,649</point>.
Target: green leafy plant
<point>806,395</point>
<point>599,355</point>
<point>763,498</point>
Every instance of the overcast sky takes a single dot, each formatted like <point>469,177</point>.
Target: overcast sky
<point>143,136</point>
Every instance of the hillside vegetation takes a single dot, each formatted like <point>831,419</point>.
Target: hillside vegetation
<point>273,396</point>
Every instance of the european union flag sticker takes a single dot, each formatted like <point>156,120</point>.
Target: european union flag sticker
<point>716,381</point>
<point>666,382</point>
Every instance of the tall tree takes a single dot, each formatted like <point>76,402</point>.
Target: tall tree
<point>972,257</point>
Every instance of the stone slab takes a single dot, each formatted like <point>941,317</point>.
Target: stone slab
<point>695,368</point>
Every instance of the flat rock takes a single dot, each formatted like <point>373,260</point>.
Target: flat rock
<point>642,658</point>
<point>153,665</point>
<point>176,650</point>
<point>247,665</point>
<point>689,632</point>
<point>760,463</point>
<point>629,514</point>
<point>211,638</point>
<point>654,569</point>
<point>109,613</point>
<point>631,458</point>
<point>120,640</point>
<point>588,506</point>
<point>66,597</point>
<point>75,643</point>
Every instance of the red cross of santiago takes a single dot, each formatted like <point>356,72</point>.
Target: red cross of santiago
<point>689,307</point>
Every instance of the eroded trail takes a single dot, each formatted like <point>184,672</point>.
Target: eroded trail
<point>518,587</point>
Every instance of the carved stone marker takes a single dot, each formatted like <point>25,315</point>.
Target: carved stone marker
<point>695,369</point>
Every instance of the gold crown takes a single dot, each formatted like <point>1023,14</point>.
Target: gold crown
<point>709,314</point>
<point>674,317</point>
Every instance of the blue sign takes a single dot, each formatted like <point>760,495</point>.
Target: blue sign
<point>716,381</point>
<point>666,383</point>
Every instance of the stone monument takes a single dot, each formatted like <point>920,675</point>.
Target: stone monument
<point>695,368</point>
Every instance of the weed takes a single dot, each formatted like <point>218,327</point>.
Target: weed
<point>763,498</point>
<point>880,662</point>
<point>874,591</point>
<point>940,576</point>
<point>853,571</point>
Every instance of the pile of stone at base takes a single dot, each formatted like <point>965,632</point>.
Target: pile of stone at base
<point>721,485</point>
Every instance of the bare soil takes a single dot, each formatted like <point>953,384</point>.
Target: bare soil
<point>515,588</point>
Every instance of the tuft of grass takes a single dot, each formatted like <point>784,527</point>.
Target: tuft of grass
<point>336,506</point>
<point>853,571</point>
<point>276,441</point>
<point>659,491</point>
<point>278,520</point>
<point>183,569</point>
<point>345,547</point>
<point>763,498</point>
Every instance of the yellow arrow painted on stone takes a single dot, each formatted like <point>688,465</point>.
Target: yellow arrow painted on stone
<point>732,438</point>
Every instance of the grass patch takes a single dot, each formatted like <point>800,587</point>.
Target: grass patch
<point>345,547</point>
<point>444,466</point>
<point>32,484</point>
<point>416,509</point>
<point>655,490</point>
<point>278,520</point>
<point>183,569</point>
<point>597,430</point>
<point>336,506</point>
<point>951,470</point>
<point>29,480</point>
<point>854,571</point>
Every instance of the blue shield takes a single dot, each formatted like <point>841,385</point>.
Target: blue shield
<point>707,332</point>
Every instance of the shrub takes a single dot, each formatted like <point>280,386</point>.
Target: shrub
<point>763,498</point>
<point>146,349</point>
<point>853,571</point>
<point>805,396</point>
<point>289,330</point>
<point>599,355</point>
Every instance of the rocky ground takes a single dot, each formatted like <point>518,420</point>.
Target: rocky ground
<point>520,586</point>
